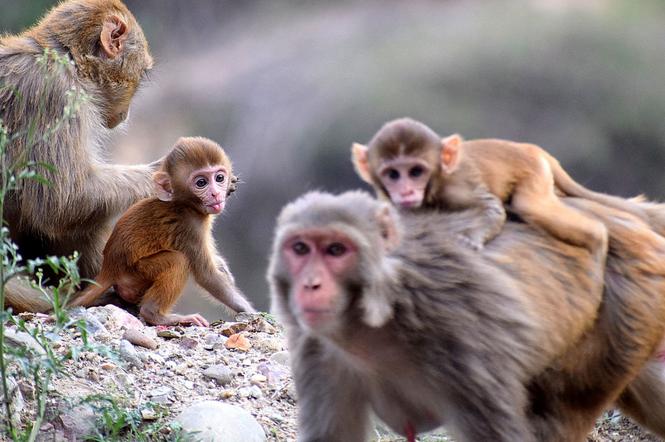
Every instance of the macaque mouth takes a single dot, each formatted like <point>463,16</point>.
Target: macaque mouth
<point>409,204</point>
<point>315,316</point>
<point>216,207</point>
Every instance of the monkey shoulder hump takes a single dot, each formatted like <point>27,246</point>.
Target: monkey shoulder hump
<point>441,271</point>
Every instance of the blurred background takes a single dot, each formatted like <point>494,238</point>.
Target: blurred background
<point>287,86</point>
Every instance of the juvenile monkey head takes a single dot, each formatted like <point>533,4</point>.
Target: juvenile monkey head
<point>403,159</point>
<point>107,46</point>
<point>327,250</point>
<point>196,172</point>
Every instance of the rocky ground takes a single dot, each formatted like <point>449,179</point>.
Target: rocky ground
<point>229,382</point>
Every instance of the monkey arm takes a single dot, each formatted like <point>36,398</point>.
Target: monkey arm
<point>493,217</point>
<point>211,272</point>
<point>218,284</point>
<point>118,186</point>
<point>332,401</point>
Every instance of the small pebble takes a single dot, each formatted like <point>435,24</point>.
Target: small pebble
<point>188,343</point>
<point>168,333</point>
<point>258,379</point>
<point>129,353</point>
<point>238,342</point>
<point>148,414</point>
<point>137,337</point>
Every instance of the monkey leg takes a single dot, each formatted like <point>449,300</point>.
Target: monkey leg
<point>535,201</point>
<point>615,361</point>
<point>168,272</point>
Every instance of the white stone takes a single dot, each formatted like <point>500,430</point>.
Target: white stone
<point>215,421</point>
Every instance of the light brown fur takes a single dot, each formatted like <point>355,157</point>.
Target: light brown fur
<point>158,242</point>
<point>108,56</point>
<point>522,342</point>
<point>482,173</point>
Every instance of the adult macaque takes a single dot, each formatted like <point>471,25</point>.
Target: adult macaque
<point>408,163</point>
<point>512,344</point>
<point>86,53</point>
<point>159,241</point>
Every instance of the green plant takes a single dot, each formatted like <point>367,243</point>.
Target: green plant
<point>121,422</point>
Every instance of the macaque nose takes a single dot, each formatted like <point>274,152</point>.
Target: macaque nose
<point>313,283</point>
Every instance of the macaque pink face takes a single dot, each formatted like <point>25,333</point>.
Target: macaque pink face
<point>405,179</point>
<point>318,262</point>
<point>210,185</point>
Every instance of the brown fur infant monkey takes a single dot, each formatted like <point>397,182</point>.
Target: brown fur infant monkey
<point>159,241</point>
<point>410,164</point>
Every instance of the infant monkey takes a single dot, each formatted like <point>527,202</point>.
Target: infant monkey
<point>159,241</point>
<point>408,163</point>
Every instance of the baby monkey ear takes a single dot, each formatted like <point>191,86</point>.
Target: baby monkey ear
<point>360,162</point>
<point>163,187</point>
<point>451,153</point>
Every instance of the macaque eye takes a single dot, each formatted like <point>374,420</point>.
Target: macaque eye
<point>336,249</point>
<point>416,171</point>
<point>219,178</point>
<point>200,183</point>
<point>393,174</point>
<point>300,248</point>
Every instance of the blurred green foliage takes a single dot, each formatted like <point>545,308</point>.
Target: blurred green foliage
<point>17,15</point>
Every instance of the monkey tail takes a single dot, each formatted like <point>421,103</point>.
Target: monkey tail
<point>570,187</point>
<point>22,297</point>
<point>91,293</point>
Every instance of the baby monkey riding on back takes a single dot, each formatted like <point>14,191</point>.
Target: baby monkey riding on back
<point>408,163</point>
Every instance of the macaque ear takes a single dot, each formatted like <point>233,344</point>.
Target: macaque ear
<point>163,186</point>
<point>451,152</point>
<point>360,162</point>
<point>390,230</point>
<point>113,35</point>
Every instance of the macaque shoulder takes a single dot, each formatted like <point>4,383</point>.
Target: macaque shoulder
<point>147,226</point>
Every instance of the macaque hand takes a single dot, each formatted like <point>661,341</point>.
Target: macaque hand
<point>193,319</point>
<point>233,185</point>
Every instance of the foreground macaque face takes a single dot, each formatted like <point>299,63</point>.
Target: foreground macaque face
<point>317,260</point>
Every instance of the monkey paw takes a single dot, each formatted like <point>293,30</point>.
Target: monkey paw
<point>470,242</point>
<point>233,185</point>
<point>194,319</point>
